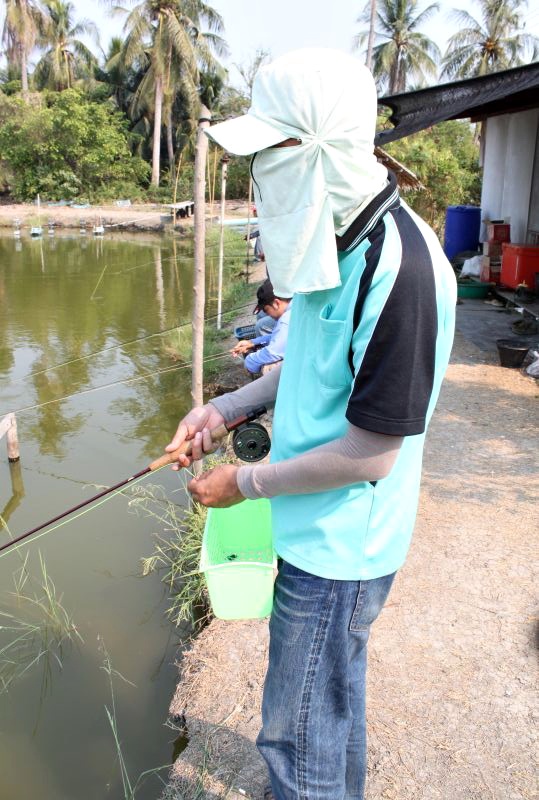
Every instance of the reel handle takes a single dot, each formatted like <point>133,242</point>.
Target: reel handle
<point>217,434</point>
<point>185,449</point>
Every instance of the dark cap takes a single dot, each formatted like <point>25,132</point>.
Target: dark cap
<point>264,295</point>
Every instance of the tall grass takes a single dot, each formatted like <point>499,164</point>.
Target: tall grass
<point>176,553</point>
<point>130,788</point>
<point>37,630</point>
<point>177,548</point>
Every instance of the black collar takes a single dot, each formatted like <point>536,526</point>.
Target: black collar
<point>368,219</point>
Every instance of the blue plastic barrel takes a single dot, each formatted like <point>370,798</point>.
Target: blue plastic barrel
<point>462,226</point>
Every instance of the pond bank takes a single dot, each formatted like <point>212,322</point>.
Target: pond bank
<point>133,218</point>
<point>452,707</point>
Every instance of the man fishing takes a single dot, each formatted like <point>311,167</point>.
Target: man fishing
<point>272,345</point>
<point>369,340</point>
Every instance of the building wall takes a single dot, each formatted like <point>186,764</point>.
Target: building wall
<point>508,168</point>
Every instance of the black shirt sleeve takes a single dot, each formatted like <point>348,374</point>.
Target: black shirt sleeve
<point>393,384</point>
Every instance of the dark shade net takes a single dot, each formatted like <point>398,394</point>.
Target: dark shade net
<point>498,93</point>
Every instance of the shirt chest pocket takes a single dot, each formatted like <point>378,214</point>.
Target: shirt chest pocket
<point>332,347</point>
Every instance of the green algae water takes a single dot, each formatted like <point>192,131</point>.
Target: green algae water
<point>78,320</point>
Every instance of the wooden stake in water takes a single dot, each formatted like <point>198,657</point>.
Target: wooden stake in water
<point>8,426</point>
<point>248,255</point>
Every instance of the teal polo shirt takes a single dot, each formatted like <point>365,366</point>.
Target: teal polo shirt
<point>371,352</point>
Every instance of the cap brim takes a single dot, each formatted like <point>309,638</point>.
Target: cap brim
<point>245,135</point>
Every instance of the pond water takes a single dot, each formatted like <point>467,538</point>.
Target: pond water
<point>77,317</point>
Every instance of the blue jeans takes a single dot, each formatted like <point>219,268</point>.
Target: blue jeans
<point>313,736</point>
<point>264,324</point>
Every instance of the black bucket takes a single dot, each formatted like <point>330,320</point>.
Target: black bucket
<point>512,353</point>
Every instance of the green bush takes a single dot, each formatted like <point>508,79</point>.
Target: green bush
<point>12,87</point>
<point>238,178</point>
<point>65,145</point>
<point>446,160</point>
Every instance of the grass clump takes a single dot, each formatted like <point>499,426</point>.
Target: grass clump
<point>37,630</point>
<point>177,549</point>
<point>177,555</point>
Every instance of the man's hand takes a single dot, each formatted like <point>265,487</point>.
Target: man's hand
<point>242,347</point>
<point>218,487</point>
<point>196,427</point>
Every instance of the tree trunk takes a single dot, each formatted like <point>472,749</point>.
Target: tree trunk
<point>158,114</point>
<point>24,73</point>
<point>370,42</point>
<point>199,198</point>
<point>170,145</point>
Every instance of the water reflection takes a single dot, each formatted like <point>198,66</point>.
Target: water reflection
<point>35,628</point>
<point>77,314</point>
<point>17,491</point>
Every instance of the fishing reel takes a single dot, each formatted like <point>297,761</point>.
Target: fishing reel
<point>251,442</point>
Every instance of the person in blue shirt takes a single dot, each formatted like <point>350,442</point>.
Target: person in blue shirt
<point>273,345</point>
<point>370,336</point>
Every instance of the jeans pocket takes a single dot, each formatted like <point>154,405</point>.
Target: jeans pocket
<point>370,600</point>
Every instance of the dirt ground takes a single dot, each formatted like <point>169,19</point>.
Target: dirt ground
<point>142,217</point>
<point>452,697</point>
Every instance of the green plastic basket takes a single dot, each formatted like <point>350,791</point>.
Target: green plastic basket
<point>238,561</point>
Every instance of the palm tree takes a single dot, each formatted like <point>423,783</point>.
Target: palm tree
<point>249,71</point>
<point>66,57</point>
<point>402,52</point>
<point>496,42</point>
<point>114,79</point>
<point>120,83</point>
<point>166,36</point>
<point>22,24</point>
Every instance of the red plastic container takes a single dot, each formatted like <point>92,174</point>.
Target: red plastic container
<point>520,262</point>
<point>498,232</point>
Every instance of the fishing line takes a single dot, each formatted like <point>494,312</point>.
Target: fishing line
<point>124,344</point>
<point>175,258</point>
<point>244,429</point>
<point>163,370</point>
<point>98,282</point>
<point>178,256</point>
<point>56,477</point>
<point>76,516</point>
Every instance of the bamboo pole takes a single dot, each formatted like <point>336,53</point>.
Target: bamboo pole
<point>208,181</point>
<point>213,181</point>
<point>224,170</point>
<point>248,254</point>
<point>201,152</point>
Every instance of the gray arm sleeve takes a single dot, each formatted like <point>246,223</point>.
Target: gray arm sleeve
<point>261,392</point>
<point>359,456</point>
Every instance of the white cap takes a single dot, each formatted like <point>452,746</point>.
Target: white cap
<point>287,97</point>
<point>326,99</point>
<point>245,135</point>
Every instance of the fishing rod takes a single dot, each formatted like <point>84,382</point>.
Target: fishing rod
<point>250,441</point>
